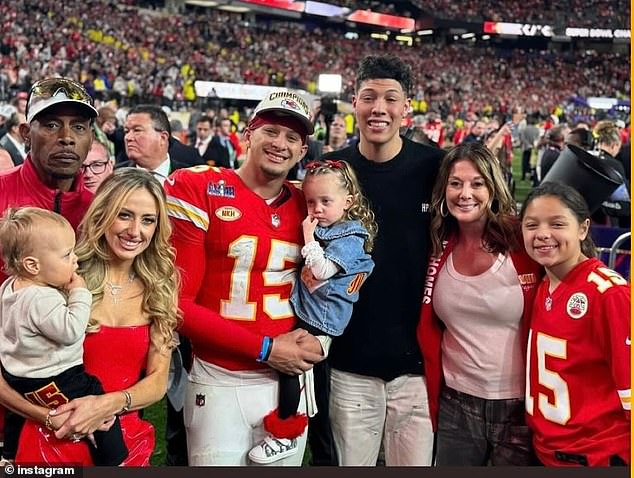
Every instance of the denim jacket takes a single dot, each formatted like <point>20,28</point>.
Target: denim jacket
<point>328,304</point>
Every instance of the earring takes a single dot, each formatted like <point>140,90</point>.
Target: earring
<point>444,213</point>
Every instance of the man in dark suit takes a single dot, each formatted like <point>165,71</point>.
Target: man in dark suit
<point>149,143</point>
<point>220,149</point>
<point>204,133</point>
<point>12,142</point>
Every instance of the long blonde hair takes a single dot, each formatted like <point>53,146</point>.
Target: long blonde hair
<point>154,266</point>
<point>360,209</point>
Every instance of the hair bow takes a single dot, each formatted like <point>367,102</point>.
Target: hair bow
<point>328,163</point>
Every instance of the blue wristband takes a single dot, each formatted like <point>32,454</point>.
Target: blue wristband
<point>267,344</point>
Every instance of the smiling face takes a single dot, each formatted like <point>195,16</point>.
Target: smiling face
<point>133,228</point>
<point>466,193</point>
<point>59,138</point>
<point>274,149</point>
<point>326,199</point>
<point>553,235</point>
<point>380,105</point>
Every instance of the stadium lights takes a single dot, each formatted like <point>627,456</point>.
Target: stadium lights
<point>202,3</point>
<point>425,32</point>
<point>234,8</point>
<point>405,39</point>
<point>379,36</point>
<point>486,37</point>
<point>351,35</point>
<point>329,83</point>
<point>601,103</point>
<point>466,36</point>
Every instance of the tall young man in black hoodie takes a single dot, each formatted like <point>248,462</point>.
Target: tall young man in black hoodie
<point>378,392</point>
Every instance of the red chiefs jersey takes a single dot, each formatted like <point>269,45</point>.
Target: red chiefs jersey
<point>578,375</point>
<point>238,258</point>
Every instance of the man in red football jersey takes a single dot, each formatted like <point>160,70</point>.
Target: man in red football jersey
<point>238,238</point>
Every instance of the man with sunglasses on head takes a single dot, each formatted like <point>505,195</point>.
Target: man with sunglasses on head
<point>58,136</point>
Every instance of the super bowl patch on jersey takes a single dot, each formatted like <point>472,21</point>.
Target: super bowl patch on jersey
<point>577,305</point>
<point>221,189</point>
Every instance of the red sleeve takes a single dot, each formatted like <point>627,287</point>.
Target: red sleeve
<point>206,328</point>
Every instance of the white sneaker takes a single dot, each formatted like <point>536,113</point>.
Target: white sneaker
<point>272,449</point>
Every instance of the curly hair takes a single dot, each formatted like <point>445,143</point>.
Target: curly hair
<point>375,67</point>
<point>502,227</point>
<point>154,266</point>
<point>360,209</point>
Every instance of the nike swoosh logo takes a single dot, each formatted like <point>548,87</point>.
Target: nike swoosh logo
<point>628,341</point>
<point>170,181</point>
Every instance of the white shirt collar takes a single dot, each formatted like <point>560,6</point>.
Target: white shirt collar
<point>163,170</point>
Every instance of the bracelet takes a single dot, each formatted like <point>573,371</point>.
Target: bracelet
<point>48,423</point>
<point>268,352</point>
<point>128,402</point>
<point>267,345</point>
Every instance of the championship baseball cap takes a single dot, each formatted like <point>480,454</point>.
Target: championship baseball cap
<point>49,92</point>
<point>286,103</point>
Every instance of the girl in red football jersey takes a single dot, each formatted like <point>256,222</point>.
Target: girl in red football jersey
<point>578,360</point>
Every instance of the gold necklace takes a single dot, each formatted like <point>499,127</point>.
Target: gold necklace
<point>115,289</point>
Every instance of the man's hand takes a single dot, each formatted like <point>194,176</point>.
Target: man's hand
<point>295,352</point>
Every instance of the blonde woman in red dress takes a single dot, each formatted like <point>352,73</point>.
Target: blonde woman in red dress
<point>128,264</point>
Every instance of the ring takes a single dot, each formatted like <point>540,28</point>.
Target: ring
<point>75,437</point>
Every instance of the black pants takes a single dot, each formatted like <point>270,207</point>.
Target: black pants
<point>526,164</point>
<point>175,434</point>
<point>320,440</point>
<point>72,383</point>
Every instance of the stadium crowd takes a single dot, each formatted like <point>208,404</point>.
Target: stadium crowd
<point>133,56</point>
<point>576,13</point>
<point>566,13</point>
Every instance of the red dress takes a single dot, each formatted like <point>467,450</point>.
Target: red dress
<point>117,356</point>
